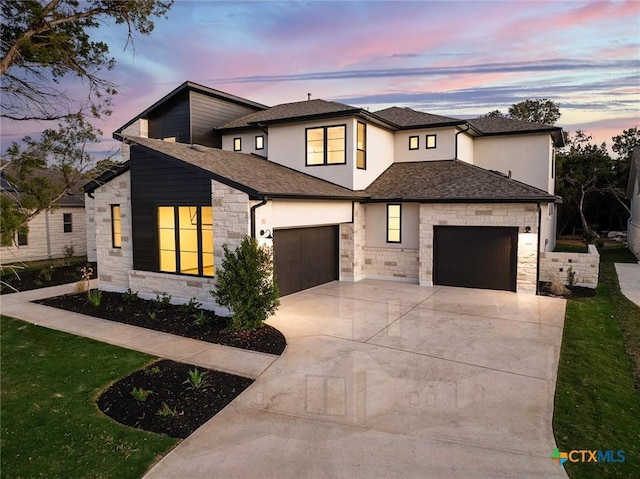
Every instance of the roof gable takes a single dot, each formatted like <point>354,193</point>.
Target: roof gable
<point>407,118</point>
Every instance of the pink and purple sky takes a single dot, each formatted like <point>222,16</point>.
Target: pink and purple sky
<point>455,58</point>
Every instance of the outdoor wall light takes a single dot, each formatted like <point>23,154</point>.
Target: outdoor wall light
<point>266,234</point>
<point>527,229</point>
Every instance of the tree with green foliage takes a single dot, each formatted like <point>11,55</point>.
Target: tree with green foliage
<point>45,48</point>
<point>583,170</point>
<point>246,286</point>
<point>541,110</point>
<point>623,146</point>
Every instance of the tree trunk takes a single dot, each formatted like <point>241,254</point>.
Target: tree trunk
<point>587,233</point>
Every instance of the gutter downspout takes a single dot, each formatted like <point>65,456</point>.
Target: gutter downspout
<point>538,249</point>
<point>455,155</point>
<point>253,215</point>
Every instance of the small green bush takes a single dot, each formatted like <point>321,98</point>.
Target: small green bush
<point>245,285</point>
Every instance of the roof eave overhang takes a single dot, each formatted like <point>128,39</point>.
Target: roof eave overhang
<point>542,199</point>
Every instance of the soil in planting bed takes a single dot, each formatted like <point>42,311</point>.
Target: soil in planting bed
<point>575,292</point>
<point>170,406</point>
<point>180,320</point>
<point>34,278</point>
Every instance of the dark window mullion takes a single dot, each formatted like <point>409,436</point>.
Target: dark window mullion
<point>199,236</point>
<point>176,232</point>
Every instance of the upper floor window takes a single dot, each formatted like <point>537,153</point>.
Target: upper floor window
<point>237,144</point>
<point>361,146</point>
<point>414,142</point>
<point>116,227</point>
<point>394,212</point>
<point>326,145</point>
<point>185,239</point>
<point>431,141</point>
<point>67,223</point>
<point>260,142</point>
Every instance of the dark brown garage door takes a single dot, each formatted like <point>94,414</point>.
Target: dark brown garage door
<point>305,257</point>
<point>475,257</point>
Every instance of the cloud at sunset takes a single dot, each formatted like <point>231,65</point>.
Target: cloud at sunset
<point>458,58</point>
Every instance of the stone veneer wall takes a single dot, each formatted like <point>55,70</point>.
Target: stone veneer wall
<point>392,263</point>
<point>114,264</point>
<point>352,245</point>
<point>586,266</point>
<point>482,214</point>
<point>230,219</point>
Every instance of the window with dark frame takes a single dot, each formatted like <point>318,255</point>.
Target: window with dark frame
<point>431,142</point>
<point>326,145</point>
<point>67,222</point>
<point>116,227</point>
<point>185,240</point>
<point>22,239</point>
<point>394,223</point>
<point>414,142</point>
<point>237,144</point>
<point>260,142</point>
<point>361,146</point>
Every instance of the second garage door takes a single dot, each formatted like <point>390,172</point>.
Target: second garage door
<point>305,257</point>
<point>475,257</point>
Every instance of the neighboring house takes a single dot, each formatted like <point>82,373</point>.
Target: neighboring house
<point>633,193</point>
<point>340,193</point>
<point>54,233</point>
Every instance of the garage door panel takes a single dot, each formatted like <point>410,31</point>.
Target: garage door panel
<point>305,257</point>
<point>476,257</point>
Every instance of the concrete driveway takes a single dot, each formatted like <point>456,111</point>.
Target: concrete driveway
<point>393,380</point>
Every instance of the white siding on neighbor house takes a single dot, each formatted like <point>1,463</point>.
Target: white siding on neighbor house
<point>528,157</point>
<point>248,142</point>
<point>633,226</point>
<point>444,150</point>
<point>287,146</point>
<point>114,264</point>
<point>46,238</point>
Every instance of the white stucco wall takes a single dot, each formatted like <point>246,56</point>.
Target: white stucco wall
<point>46,238</point>
<point>380,151</point>
<point>528,157</point>
<point>376,215</point>
<point>287,146</point>
<point>444,150</point>
<point>300,213</point>
<point>465,148</point>
<point>548,226</point>
<point>248,142</point>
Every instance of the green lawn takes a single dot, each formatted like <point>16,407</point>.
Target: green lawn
<point>50,425</point>
<point>596,404</point>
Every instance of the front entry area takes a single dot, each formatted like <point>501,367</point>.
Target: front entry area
<point>305,257</point>
<point>483,257</point>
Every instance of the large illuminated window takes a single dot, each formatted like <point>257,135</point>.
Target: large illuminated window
<point>326,145</point>
<point>185,240</point>
<point>394,223</point>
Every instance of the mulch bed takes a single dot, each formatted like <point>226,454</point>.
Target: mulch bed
<point>179,320</point>
<point>171,407</point>
<point>575,292</point>
<point>25,280</point>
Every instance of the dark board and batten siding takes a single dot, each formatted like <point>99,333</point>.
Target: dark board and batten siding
<point>156,182</point>
<point>208,112</point>
<point>172,120</point>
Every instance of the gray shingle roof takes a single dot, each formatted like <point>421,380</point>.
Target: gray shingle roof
<point>450,180</point>
<point>252,174</point>
<point>409,118</point>
<point>492,125</point>
<point>291,111</point>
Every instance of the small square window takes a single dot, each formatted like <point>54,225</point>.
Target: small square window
<point>414,142</point>
<point>260,142</point>
<point>431,141</point>
<point>67,223</point>
<point>237,144</point>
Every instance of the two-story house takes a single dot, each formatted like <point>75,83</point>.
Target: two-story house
<point>339,192</point>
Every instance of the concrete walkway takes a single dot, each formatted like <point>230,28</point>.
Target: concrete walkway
<point>629,279</point>
<point>213,356</point>
<point>392,380</point>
